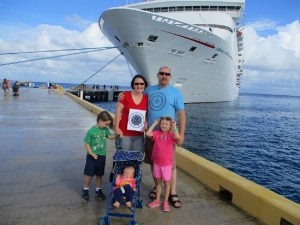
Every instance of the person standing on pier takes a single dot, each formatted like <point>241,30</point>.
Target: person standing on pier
<point>95,144</point>
<point>49,86</point>
<point>4,86</point>
<point>131,115</point>
<point>8,86</point>
<point>163,150</point>
<point>164,100</point>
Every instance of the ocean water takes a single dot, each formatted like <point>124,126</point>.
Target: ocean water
<point>255,136</point>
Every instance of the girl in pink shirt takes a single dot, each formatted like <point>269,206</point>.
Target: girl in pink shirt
<point>162,156</point>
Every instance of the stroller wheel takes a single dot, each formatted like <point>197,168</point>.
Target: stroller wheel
<point>140,204</point>
<point>131,222</point>
<point>104,220</point>
<point>107,220</point>
<point>101,221</point>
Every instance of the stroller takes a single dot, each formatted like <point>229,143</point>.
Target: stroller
<point>123,158</point>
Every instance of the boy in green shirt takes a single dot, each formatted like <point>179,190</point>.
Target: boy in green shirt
<point>95,144</point>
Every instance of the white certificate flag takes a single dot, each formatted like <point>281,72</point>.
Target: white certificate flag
<point>136,119</point>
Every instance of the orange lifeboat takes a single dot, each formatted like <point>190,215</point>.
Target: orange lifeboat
<point>239,33</point>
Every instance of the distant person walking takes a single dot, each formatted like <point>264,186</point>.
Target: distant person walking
<point>49,86</point>
<point>4,86</point>
<point>15,89</point>
<point>8,86</point>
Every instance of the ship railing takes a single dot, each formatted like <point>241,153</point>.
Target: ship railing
<point>234,11</point>
<point>194,8</point>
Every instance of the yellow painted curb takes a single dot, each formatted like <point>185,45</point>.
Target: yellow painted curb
<point>258,201</point>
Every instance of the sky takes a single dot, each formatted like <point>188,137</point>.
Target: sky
<point>271,44</point>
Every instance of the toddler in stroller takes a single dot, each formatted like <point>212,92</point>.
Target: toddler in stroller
<point>126,181</point>
<point>15,89</point>
<point>125,184</point>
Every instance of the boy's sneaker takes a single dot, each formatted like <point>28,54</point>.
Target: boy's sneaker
<point>100,194</point>
<point>85,195</point>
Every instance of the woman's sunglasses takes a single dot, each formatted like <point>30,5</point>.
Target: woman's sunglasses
<point>139,84</point>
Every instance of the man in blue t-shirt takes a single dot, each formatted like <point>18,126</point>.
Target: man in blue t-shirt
<point>165,100</point>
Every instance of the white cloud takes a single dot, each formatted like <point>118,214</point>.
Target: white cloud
<point>75,19</point>
<point>262,24</point>
<point>272,64</point>
<point>69,69</point>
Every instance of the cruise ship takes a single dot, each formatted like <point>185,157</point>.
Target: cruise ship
<point>200,41</point>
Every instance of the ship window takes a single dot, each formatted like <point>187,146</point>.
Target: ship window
<point>180,8</point>
<point>222,8</point>
<point>196,8</point>
<point>238,8</point>
<point>125,44</point>
<point>214,56</point>
<point>117,38</point>
<point>165,9</point>
<point>139,44</point>
<point>192,49</point>
<point>150,10</point>
<point>230,8</point>
<point>213,8</point>
<point>173,51</point>
<point>156,9</point>
<point>172,9</point>
<point>188,8</point>
<point>152,38</point>
<point>204,8</point>
<point>180,53</point>
<point>181,80</point>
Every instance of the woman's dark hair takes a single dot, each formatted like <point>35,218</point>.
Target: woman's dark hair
<point>138,76</point>
<point>105,116</point>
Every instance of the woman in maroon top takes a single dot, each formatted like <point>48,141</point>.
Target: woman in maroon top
<point>131,115</point>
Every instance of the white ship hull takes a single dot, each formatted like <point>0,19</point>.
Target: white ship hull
<point>198,47</point>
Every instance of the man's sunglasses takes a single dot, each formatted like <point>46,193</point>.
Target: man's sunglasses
<point>165,118</point>
<point>163,73</point>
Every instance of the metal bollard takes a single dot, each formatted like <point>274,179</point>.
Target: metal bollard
<point>81,95</point>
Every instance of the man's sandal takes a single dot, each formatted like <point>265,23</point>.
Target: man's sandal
<point>152,194</point>
<point>173,202</point>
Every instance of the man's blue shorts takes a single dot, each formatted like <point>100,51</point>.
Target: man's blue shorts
<point>94,166</point>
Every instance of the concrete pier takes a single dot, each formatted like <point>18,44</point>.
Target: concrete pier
<point>41,171</point>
